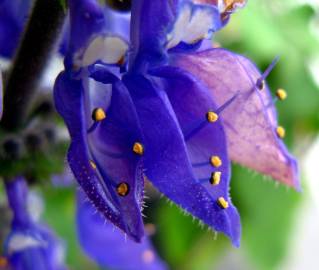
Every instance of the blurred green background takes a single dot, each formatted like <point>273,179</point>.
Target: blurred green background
<point>270,213</point>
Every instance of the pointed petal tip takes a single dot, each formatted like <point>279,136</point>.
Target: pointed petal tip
<point>294,174</point>
<point>136,233</point>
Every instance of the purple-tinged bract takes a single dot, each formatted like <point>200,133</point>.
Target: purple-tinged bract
<point>251,121</point>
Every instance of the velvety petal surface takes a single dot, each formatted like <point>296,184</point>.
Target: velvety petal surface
<point>167,162</point>
<point>101,153</point>
<point>251,121</point>
<point>107,245</point>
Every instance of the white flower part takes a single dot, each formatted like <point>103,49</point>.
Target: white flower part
<point>59,254</point>
<point>19,242</point>
<point>230,5</point>
<point>35,205</point>
<point>199,26</point>
<point>180,25</point>
<point>107,49</point>
<point>193,23</point>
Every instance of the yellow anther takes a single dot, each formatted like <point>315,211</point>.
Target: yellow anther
<point>281,132</point>
<point>216,161</point>
<point>215,178</point>
<point>93,165</point>
<point>222,202</point>
<point>261,85</point>
<point>138,148</point>
<point>212,117</point>
<point>122,189</point>
<point>98,114</point>
<point>281,94</point>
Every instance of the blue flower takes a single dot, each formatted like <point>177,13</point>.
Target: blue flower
<point>30,244</point>
<point>139,110</point>
<point>107,246</point>
<point>13,15</point>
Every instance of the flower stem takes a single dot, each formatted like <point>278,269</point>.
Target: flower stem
<point>39,40</point>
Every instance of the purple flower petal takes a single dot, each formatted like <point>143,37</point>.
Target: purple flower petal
<point>108,246</point>
<point>191,103</point>
<point>150,21</point>
<point>251,121</point>
<point>101,154</point>
<point>117,22</point>
<point>13,15</point>
<point>86,20</point>
<point>179,25</point>
<point>167,162</point>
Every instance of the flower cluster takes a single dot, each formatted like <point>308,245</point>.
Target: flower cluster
<point>161,105</point>
<point>146,97</point>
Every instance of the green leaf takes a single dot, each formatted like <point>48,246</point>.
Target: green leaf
<point>268,214</point>
<point>60,215</point>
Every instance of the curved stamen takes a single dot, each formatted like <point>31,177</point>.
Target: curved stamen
<point>93,127</point>
<point>260,83</point>
<point>211,117</point>
<point>200,164</point>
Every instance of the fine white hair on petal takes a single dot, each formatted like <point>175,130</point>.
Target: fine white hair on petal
<point>19,242</point>
<point>107,49</point>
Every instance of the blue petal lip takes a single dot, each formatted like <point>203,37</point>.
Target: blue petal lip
<point>167,162</point>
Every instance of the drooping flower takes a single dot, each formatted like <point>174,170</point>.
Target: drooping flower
<point>114,183</point>
<point>108,246</point>
<point>30,244</point>
<point>254,137</point>
<point>155,120</point>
